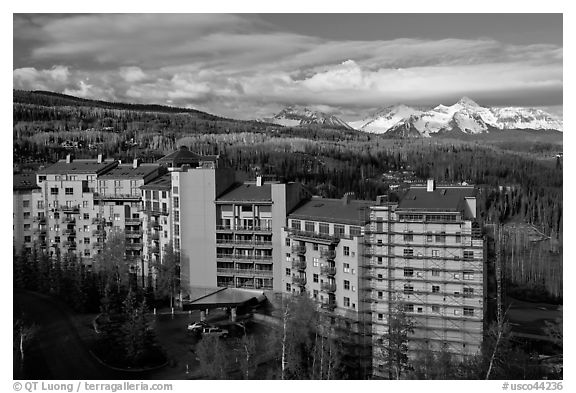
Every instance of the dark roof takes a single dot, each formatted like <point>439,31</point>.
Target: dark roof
<point>24,181</point>
<point>78,166</point>
<point>163,183</point>
<point>355,212</point>
<point>126,171</point>
<point>227,297</point>
<point>248,192</point>
<point>449,198</point>
<point>179,157</point>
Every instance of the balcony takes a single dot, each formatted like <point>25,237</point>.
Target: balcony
<point>328,254</point>
<point>224,228</point>
<point>69,220</point>
<point>154,236</point>
<point>315,236</point>
<point>299,249</point>
<point>329,305</point>
<point>40,220</point>
<point>71,245</point>
<point>328,287</point>
<point>155,212</point>
<point>328,270</point>
<point>299,280</point>
<point>99,233</point>
<point>245,272</point>
<point>98,245</point>
<point>154,250</point>
<point>229,257</point>
<point>298,265</point>
<point>70,209</point>
<point>69,232</point>
<point>98,195</point>
<point>132,221</point>
<point>129,233</point>
<point>40,231</point>
<point>133,246</point>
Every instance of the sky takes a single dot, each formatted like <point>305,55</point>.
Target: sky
<point>249,66</point>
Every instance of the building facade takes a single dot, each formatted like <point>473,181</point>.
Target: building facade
<point>27,227</point>
<point>426,256</point>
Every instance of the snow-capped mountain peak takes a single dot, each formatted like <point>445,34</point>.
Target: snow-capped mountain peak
<point>294,116</point>
<point>464,116</point>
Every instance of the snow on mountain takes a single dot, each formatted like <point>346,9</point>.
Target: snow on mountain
<point>465,116</point>
<point>294,116</point>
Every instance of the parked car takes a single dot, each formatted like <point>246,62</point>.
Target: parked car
<point>214,331</point>
<point>197,326</point>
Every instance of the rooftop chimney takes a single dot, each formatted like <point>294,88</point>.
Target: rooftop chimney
<point>135,163</point>
<point>430,185</point>
<point>347,198</point>
<point>100,158</point>
<point>258,181</point>
<point>68,158</point>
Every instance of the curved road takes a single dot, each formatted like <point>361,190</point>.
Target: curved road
<point>57,351</point>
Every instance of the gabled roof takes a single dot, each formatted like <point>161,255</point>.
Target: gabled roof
<point>78,166</point>
<point>127,171</point>
<point>180,157</point>
<point>248,192</point>
<point>448,198</point>
<point>163,183</point>
<point>355,212</point>
<point>24,181</point>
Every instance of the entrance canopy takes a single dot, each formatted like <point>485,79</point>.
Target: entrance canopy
<point>225,297</point>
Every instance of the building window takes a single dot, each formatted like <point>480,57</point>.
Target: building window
<point>408,236</point>
<point>458,237</point>
<point>436,309</point>
<point>287,242</point>
<point>175,190</point>
<point>288,287</point>
<point>441,237</point>
<point>316,261</point>
<point>338,230</point>
<point>435,253</point>
<point>176,202</point>
<point>456,276</point>
<point>408,253</point>
<point>324,228</point>
<point>309,226</point>
<point>346,267</point>
<point>380,294</point>
<point>409,307</point>
<point>469,255</point>
<point>468,292</point>
<point>26,227</point>
<point>420,310</point>
<point>315,294</point>
<point>468,275</point>
<point>26,214</point>
<point>25,203</point>
<point>347,285</point>
<point>177,230</point>
<point>408,272</point>
<point>429,237</point>
<point>69,191</point>
<point>380,277</point>
<point>40,205</point>
<point>288,271</point>
<point>408,289</point>
<point>86,216</point>
<point>56,239</point>
<point>54,191</point>
<point>176,244</point>
<point>435,288</point>
<point>164,194</point>
<point>346,251</point>
<point>315,246</point>
<point>86,240</point>
<point>355,231</point>
<point>379,259</point>
<point>346,302</point>
<point>295,225</point>
<point>86,253</point>
<point>435,273</point>
<point>380,317</point>
<point>468,312</point>
<point>315,278</point>
<point>456,312</point>
<point>27,239</point>
<point>116,216</point>
<point>288,257</point>
<point>176,215</point>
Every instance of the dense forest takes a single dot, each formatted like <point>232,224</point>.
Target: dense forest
<point>519,182</point>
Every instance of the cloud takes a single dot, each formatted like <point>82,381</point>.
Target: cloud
<point>235,65</point>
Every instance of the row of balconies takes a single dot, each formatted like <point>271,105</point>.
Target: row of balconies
<point>240,228</point>
<point>248,272</point>
<point>244,242</point>
<point>244,256</point>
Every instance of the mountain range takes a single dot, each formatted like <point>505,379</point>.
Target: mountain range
<point>465,116</point>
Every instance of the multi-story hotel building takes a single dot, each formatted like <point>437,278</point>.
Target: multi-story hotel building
<point>323,249</point>
<point>27,227</point>
<point>426,255</point>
